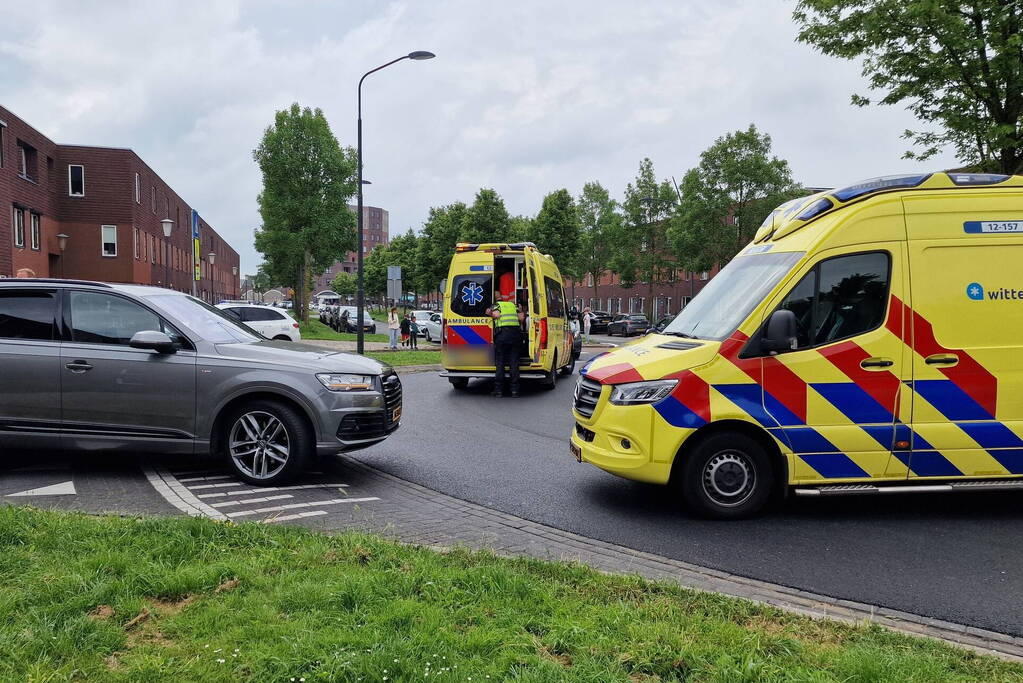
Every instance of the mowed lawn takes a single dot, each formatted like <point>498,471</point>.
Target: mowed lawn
<point>406,357</point>
<point>314,329</point>
<point>180,599</point>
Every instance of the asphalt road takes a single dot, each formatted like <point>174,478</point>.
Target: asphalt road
<point>952,556</point>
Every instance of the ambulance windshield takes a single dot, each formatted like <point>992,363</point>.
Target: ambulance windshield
<point>724,303</point>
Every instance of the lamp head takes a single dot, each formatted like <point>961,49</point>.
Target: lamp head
<point>421,54</point>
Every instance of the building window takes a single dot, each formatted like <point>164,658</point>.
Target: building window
<point>108,238</point>
<point>685,275</point>
<point>3,142</point>
<point>152,249</point>
<point>704,275</point>
<point>138,189</point>
<point>135,242</point>
<point>35,236</point>
<point>76,180</point>
<point>19,227</point>
<point>154,200</point>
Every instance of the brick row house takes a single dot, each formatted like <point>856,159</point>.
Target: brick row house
<point>109,204</point>
<point>375,233</point>
<point>668,298</point>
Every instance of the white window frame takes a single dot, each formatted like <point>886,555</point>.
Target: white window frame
<point>69,191</point>
<point>103,241</point>
<point>18,221</point>
<point>22,162</point>
<point>3,142</point>
<point>35,232</point>
<point>705,275</point>
<point>153,202</point>
<point>135,242</point>
<point>138,188</point>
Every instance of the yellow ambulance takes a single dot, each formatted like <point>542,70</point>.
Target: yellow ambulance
<point>478,276</point>
<point>868,340</point>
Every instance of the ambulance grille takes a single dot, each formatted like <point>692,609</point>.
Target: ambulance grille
<point>587,395</point>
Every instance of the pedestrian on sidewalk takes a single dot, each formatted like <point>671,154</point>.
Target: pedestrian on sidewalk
<point>393,327</point>
<point>405,327</point>
<point>587,321</point>
<point>413,332</point>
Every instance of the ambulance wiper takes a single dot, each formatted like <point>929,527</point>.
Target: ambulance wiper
<point>680,334</point>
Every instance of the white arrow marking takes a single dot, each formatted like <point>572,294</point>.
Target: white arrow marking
<point>64,489</point>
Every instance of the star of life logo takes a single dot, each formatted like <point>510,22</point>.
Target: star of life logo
<point>472,294</point>
<point>975,291</point>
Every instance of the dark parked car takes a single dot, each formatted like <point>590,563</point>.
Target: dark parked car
<point>600,321</point>
<point>628,325</point>
<point>88,366</point>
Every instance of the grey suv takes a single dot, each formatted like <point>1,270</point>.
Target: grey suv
<point>93,366</point>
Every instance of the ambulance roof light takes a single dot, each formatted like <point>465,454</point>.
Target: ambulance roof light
<point>888,182</point>
<point>962,179</point>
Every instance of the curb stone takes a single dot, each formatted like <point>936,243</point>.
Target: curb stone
<point>540,541</point>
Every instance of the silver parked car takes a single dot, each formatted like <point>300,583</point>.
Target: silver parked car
<point>91,366</point>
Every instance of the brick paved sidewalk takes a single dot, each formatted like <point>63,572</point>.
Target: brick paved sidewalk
<point>415,514</point>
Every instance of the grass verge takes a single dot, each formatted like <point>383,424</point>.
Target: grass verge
<point>406,357</point>
<point>182,599</point>
<point>314,329</point>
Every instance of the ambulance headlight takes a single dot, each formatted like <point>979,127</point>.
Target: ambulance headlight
<point>336,381</point>
<point>636,393</point>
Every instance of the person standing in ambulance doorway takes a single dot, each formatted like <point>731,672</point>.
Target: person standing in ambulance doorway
<point>507,342</point>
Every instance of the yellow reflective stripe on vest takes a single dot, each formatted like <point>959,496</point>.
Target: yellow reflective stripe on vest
<point>509,314</point>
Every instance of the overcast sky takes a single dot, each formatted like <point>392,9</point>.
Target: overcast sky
<point>525,97</point>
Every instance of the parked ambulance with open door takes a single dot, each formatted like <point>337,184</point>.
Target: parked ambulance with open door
<point>479,274</point>
<point>868,340</point>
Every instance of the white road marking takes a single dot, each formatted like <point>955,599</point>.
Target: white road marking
<point>300,515</point>
<point>175,493</point>
<point>214,486</point>
<point>218,476</point>
<point>189,473</point>
<point>246,501</point>
<point>260,489</point>
<point>292,506</point>
<point>66,488</point>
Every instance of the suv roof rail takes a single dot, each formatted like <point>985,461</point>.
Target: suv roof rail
<point>53,280</point>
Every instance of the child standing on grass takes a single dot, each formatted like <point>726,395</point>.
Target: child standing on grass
<point>405,326</point>
<point>413,332</point>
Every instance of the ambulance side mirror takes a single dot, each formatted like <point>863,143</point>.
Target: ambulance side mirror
<point>442,286</point>
<point>780,333</point>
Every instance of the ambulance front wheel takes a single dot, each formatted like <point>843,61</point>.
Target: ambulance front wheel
<point>727,476</point>
<point>459,383</point>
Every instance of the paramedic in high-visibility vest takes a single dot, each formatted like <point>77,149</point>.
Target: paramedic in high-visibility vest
<point>507,341</point>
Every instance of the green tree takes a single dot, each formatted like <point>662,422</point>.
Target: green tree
<point>600,228</point>
<point>487,220</point>
<point>555,231</point>
<point>641,253</point>
<point>403,251</point>
<point>958,66</point>
<point>737,183</point>
<point>308,180</point>
<point>520,229</point>
<point>437,244</point>
<point>345,284</point>
<point>261,282</point>
<point>374,271</point>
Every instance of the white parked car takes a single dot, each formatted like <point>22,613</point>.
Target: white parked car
<point>421,317</point>
<point>430,326</point>
<point>272,323</point>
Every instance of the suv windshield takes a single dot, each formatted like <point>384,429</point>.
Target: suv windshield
<point>724,303</point>
<point>207,322</point>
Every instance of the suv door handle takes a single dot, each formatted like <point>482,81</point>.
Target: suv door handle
<point>942,359</point>
<point>876,363</point>
<point>78,366</point>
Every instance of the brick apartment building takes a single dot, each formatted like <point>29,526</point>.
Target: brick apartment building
<point>375,232</point>
<point>109,203</point>
<point>668,298</point>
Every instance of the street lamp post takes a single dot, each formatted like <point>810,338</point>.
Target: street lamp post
<point>360,295</point>
<point>62,243</point>
<point>211,257</point>
<point>167,225</point>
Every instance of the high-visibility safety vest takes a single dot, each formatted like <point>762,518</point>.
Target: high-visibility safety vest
<point>509,314</point>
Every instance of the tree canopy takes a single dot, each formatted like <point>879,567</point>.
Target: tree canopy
<point>600,225</point>
<point>737,183</point>
<point>344,284</point>
<point>958,66</point>
<point>308,180</point>
<point>555,231</point>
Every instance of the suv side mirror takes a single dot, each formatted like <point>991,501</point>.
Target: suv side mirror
<point>154,341</point>
<point>781,331</point>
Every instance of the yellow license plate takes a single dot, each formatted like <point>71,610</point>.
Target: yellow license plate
<point>577,452</point>
<point>396,414</point>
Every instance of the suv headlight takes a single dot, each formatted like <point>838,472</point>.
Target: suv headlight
<point>337,381</point>
<point>637,393</point>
